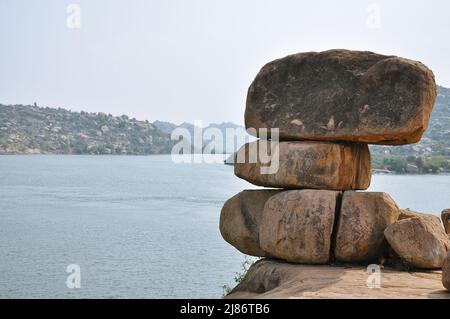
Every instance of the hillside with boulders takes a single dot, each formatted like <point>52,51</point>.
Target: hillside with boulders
<point>28,129</point>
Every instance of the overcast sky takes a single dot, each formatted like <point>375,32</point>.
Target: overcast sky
<point>186,60</point>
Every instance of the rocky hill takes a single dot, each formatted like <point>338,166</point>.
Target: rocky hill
<point>228,130</point>
<point>42,130</point>
<point>168,127</point>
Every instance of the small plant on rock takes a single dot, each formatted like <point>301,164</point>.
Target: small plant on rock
<point>240,275</point>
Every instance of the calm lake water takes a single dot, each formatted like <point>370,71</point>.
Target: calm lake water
<point>138,227</point>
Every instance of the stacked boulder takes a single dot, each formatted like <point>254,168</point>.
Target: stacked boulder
<point>328,107</point>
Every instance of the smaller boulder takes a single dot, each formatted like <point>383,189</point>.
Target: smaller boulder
<point>301,165</point>
<point>408,213</point>
<point>446,220</point>
<point>446,272</point>
<point>420,241</point>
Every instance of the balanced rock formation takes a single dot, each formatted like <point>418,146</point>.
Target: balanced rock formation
<point>446,220</point>
<point>240,220</point>
<point>342,95</point>
<point>363,217</point>
<point>446,272</point>
<point>297,225</point>
<point>326,107</point>
<point>313,165</point>
<point>420,241</point>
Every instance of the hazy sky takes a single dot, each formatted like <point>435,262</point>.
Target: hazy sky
<point>186,60</point>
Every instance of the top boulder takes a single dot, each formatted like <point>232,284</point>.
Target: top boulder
<point>342,95</point>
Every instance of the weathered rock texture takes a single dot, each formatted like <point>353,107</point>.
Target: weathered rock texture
<point>297,225</point>
<point>342,95</point>
<point>446,220</point>
<point>272,279</point>
<point>446,272</point>
<point>313,165</point>
<point>421,241</point>
<point>240,219</point>
<point>363,217</point>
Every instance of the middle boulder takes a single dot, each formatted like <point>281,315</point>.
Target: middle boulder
<point>301,164</point>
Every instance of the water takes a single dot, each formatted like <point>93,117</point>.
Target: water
<point>139,227</point>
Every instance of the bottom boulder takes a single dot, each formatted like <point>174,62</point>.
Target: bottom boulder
<point>275,279</point>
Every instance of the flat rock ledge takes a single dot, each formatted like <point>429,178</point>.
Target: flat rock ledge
<point>272,279</point>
